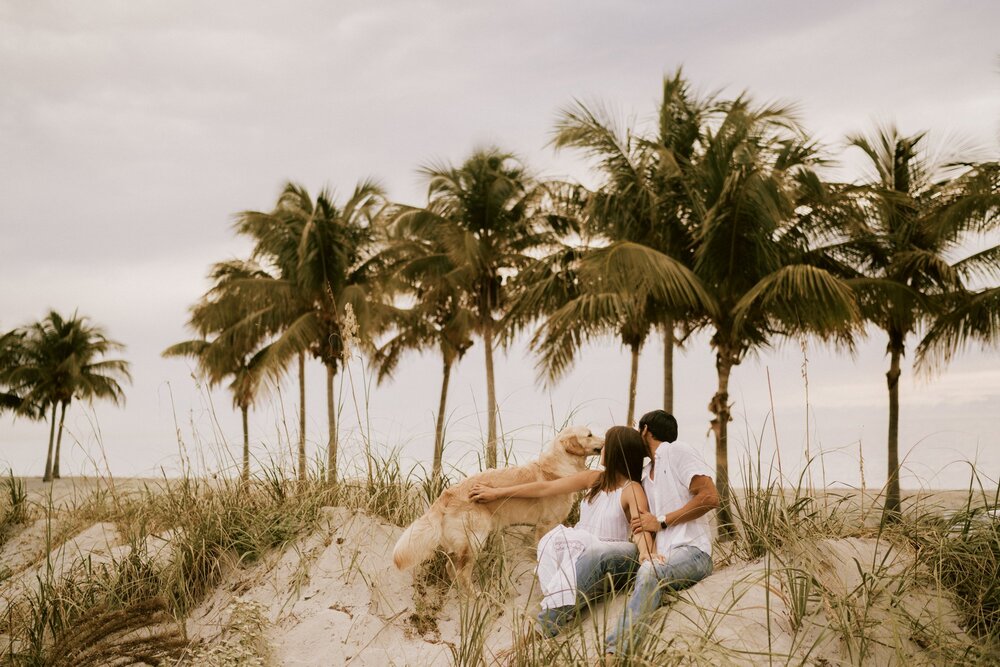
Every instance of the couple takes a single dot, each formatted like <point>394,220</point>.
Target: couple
<point>656,514</point>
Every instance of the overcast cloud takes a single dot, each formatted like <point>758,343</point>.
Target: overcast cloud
<point>131,132</point>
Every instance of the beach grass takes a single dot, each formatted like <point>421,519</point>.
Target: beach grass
<point>822,573</point>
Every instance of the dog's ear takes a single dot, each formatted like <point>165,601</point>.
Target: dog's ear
<point>572,443</point>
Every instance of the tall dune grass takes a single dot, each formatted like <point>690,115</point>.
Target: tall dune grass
<point>211,526</point>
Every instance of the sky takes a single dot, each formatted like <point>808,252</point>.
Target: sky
<point>132,132</point>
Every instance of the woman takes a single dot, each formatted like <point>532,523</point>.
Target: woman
<point>574,563</point>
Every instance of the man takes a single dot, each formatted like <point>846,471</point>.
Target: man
<point>681,492</point>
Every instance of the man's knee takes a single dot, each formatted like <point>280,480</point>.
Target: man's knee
<point>646,574</point>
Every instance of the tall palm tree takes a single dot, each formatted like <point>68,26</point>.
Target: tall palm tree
<point>484,213</point>
<point>336,271</point>
<point>642,199</point>
<point>90,377</point>
<point>234,352</point>
<point>682,115</point>
<point>760,217</point>
<point>63,359</point>
<point>916,215</point>
<point>277,235</point>
<point>12,356</point>
<point>33,376</point>
<point>439,317</point>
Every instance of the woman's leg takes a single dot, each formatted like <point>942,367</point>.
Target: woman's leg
<point>598,562</point>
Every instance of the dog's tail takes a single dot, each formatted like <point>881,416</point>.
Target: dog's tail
<point>418,542</point>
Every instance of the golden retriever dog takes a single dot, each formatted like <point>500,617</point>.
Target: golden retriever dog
<point>460,526</point>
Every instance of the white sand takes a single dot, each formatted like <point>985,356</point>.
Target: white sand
<point>333,597</point>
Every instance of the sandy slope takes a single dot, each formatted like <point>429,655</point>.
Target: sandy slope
<point>333,597</point>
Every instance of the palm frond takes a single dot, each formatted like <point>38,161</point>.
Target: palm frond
<point>565,330</point>
<point>973,317</point>
<point>800,299</point>
<point>982,265</point>
<point>633,268</point>
<point>302,335</point>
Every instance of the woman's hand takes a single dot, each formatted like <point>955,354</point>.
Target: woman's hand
<point>483,494</point>
<point>654,557</point>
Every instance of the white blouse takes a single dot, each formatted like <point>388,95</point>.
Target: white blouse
<point>604,517</point>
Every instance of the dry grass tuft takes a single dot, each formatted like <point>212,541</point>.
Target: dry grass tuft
<point>143,633</point>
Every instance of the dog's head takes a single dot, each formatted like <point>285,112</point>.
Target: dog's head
<point>577,441</point>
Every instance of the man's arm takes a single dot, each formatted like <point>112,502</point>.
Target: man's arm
<point>705,497</point>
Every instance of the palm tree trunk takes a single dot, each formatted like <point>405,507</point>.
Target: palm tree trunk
<point>439,430</point>
<point>892,500</point>
<point>669,340</point>
<point>491,397</point>
<point>302,416</point>
<point>720,425</point>
<point>47,477</point>
<point>632,382</point>
<point>246,444</point>
<point>62,420</point>
<point>331,416</point>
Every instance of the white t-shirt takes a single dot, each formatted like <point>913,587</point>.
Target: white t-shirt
<point>676,464</point>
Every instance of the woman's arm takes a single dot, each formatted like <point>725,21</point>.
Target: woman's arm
<point>634,503</point>
<point>481,493</point>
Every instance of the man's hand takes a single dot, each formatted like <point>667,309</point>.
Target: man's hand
<point>483,494</point>
<point>645,522</point>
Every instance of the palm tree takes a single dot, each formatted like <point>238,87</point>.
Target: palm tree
<point>336,269</point>
<point>484,214</point>
<point>916,214</point>
<point>32,377</point>
<point>12,355</point>
<point>760,216</point>
<point>682,115</point>
<point>277,236</point>
<point>234,352</point>
<point>642,201</point>
<point>438,318</point>
<point>62,359</point>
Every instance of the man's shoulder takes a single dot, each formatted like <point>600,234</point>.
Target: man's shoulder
<point>682,448</point>
<point>688,460</point>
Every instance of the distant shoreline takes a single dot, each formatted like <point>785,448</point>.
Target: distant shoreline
<point>924,500</point>
<point>86,479</point>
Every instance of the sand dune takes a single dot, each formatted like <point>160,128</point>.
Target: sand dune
<point>333,597</point>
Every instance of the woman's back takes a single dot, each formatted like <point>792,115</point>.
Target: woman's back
<point>604,517</point>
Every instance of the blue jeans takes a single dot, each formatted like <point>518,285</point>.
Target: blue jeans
<point>684,567</point>
<point>595,566</point>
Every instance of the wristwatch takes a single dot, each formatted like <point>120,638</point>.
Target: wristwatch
<point>663,521</point>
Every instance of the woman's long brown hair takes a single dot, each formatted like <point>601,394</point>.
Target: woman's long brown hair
<point>623,454</point>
